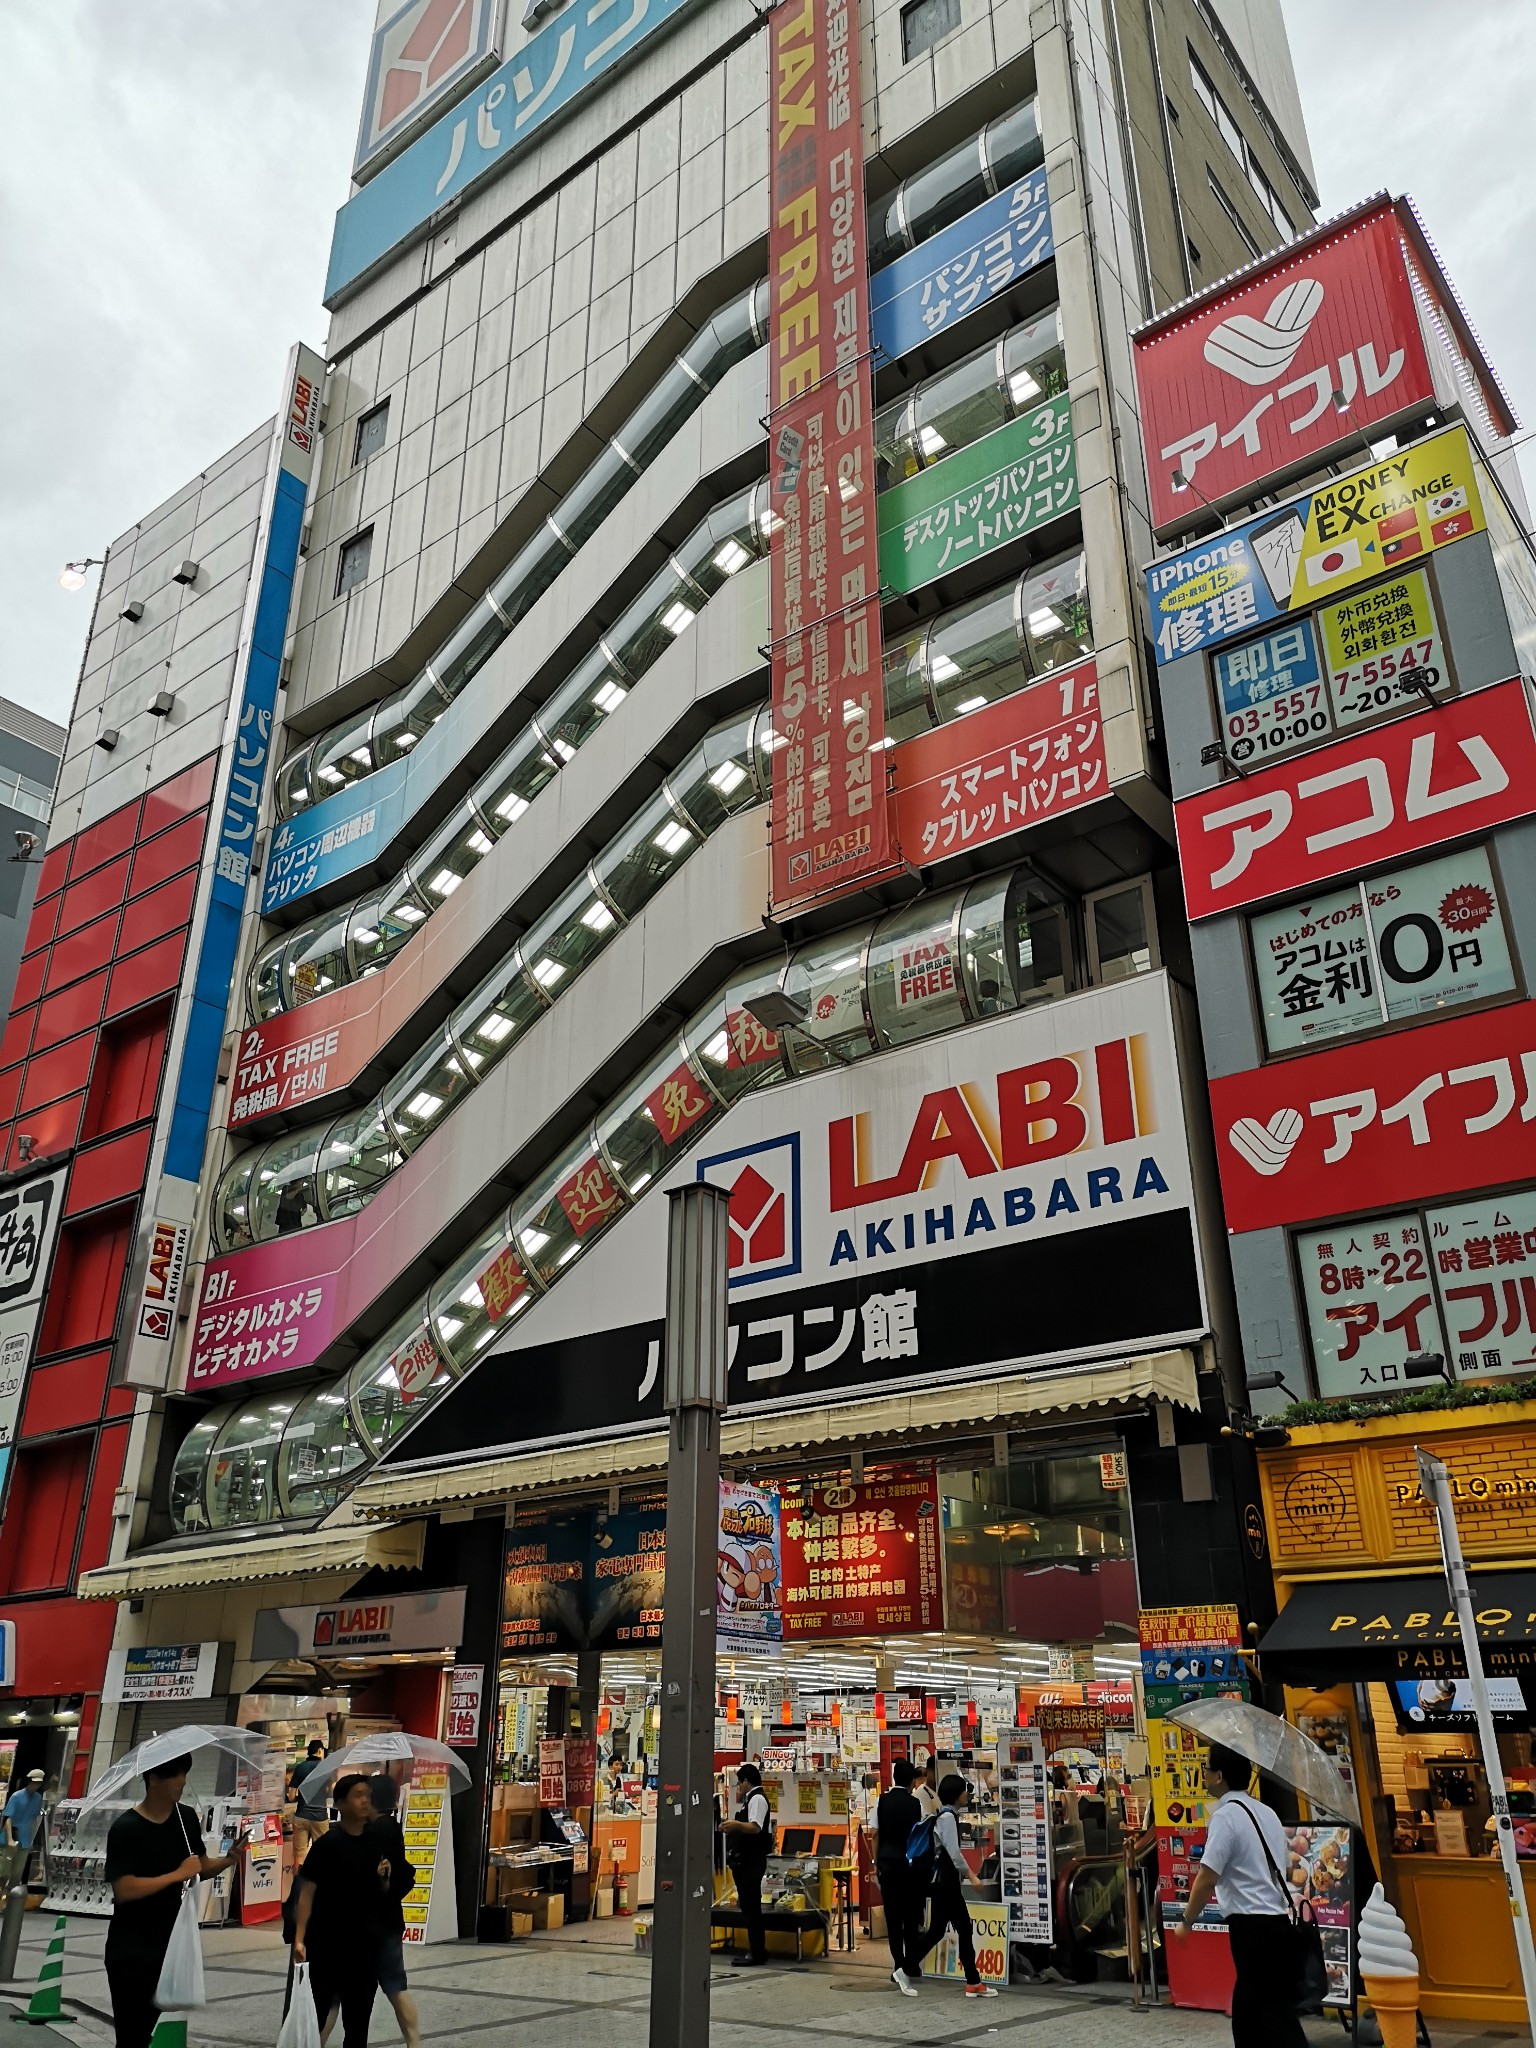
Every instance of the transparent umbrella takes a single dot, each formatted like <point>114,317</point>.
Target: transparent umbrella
<point>383,1753</point>
<point>1277,1748</point>
<point>246,1745</point>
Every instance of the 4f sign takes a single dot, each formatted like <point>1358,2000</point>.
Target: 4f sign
<point>1464,766</point>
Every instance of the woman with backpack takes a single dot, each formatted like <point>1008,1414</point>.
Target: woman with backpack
<point>950,1873</point>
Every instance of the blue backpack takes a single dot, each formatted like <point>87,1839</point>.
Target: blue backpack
<point>922,1851</point>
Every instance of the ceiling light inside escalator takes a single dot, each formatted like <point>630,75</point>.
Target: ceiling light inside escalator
<point>944,669</point>
<point>330,774</point>
<point>931,441</point>
<point>424,1105</point>
<point>405,739</point>
<point>365,935</point>
<point>609,697</point>
<point>448,1327</point>
<point>1022,387</point>
<point>361,754</point>
<point>495,1027</point>
<point>728,777</point>
<point>718,1049</point>
<point>672,838</point>
<point>970,704</point>
<point>677,617</point>
<point>535,1240</point>
<point>731,557</point>
<point>444,882</point>
<point>597,917</point>
<point>409,913</point>
<point>548,972</point>
<point>1045,620</point>
<point>479,843</point>
<point>511,808</point>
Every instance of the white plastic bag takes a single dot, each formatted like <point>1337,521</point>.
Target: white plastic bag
<point>301,2029</point>
<point>181,1974</point>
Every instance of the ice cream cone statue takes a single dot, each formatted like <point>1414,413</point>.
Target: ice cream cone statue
<point>1389,1970</point>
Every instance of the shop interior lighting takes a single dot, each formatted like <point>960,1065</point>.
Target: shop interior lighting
<point>609,697</point>
<point>677,617</point>
<point>672,838</point>
<point>1022,387</point>
<point>547,972</point>
<point>597,917</point>
<point>731,557</point>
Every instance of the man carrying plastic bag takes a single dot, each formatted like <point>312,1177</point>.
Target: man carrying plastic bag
<point>155,1854</point>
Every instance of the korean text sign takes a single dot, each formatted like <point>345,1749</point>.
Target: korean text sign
<point>1006,485</point>
<point>862,1559</point>
<point>830,808</point>
<point>1369,523</point>
<point>1423,1113</point>
<point>1242,387</point>
<point>1399,789</point>
<point>1037,754</point>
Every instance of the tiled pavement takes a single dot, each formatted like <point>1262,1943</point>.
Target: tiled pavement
<point>588,1988</point>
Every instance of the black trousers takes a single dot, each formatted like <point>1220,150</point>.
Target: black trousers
<point>1264,1955</point>
<point>132,1980</point>
<point>949,1910</point>
<point>350,1981</point>
<point>749,1896</point>
<point>902,1897</point>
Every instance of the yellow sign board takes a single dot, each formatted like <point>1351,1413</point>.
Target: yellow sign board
<point>989,1931</point>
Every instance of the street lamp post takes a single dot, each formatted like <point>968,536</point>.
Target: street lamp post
<point>1436,1482</point>
<point>694,1385</point>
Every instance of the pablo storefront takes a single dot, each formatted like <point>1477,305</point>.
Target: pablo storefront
<point>968,1442</point>
<point>1368,1651</point>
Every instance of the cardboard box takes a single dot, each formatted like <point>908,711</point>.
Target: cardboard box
<point>520,1924</point>
<point>548,1911</point>
<point>602,1903</point>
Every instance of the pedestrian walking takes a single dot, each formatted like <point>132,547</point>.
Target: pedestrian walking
<point>349,1888</point>
<point>153,1850</point>
<point>312,1816</point>
<point>748,1845</point>
<point>1245,1852</point>
<point>23,1811</point>
<point>896,1815</point>
<point>950,1873</point>
<point>384,1796</point>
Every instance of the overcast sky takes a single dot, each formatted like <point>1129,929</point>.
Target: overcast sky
<point>169,170</point>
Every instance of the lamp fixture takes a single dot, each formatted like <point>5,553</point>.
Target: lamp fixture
<point>26,1145</point>
<point>26,846</point>
<point>107,738</point>
<point>132,611</point>
<point>1427,1365</point>
<point>1270,1383</point>
<point>72,575</point>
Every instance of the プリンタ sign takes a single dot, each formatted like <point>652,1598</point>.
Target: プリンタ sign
<point>1419,1114</point>
<point>1346,533</point>
<point>952,1208</point>
<point>1376,797</point>
<point>830,826</point>
<point>1264,379</point>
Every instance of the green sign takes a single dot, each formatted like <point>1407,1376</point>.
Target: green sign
<point>999,489</point>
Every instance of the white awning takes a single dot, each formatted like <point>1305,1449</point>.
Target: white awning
<point>984,1404</point>
<point>251,1557</point>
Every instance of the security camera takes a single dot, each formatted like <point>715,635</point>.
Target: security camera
<point>26,843</point>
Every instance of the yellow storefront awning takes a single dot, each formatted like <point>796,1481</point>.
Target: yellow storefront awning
<point>251,1558</point>
<point>986,1405</point>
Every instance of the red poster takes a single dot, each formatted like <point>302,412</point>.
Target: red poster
<point>862,1560</point>
<point>1402,1119</point>
<point>750,1043</point>
<point>589,1197</point>
<point>416,1366</point>
<point>295,1058</point>
<point>1464,766</point>
<point>1029,757</point>
<point>580,1770</point>
<point>1239,389</point>
<point>678,1103</point>
<point>830,822</point>
<point>502,1284</point>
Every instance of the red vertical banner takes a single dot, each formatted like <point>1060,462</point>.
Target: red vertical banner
<point>830,818</point>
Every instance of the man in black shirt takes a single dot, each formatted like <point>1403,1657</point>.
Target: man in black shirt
<point>153,1850</point>
<point>350,1888</point>
<point>896,1816</point>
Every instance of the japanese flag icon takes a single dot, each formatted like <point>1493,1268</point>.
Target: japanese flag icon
<point>1335,561</point>
<point>1266,1147</point>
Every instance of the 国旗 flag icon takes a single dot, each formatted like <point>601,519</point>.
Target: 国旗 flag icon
<point>1398,522</point>
<point>1334,561</point>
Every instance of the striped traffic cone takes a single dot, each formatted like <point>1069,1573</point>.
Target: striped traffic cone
<point>47,2007</point>
<point>170,2032</point>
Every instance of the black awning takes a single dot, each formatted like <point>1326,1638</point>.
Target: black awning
<point>1334,1630</point>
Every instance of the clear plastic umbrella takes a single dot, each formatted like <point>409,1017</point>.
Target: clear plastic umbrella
<point>1278,1749</point>
<point>373,1754</point>
<point>246,1745</point>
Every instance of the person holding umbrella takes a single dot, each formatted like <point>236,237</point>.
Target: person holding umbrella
<point>153,1850</point>
<point>349,1891</point>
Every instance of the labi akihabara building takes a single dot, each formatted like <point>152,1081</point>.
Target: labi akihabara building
<point>716,738</point>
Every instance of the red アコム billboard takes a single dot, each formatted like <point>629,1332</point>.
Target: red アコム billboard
<point>1260,382</point>
<point>830,809</point>
<point>1462,766</point>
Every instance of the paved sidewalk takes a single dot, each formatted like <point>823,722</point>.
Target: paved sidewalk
<point>588,1988</point>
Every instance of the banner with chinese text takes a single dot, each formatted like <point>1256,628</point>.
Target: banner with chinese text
<point>862,1559</point>
<point>830,827</point>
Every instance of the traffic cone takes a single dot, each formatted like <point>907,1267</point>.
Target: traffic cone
<point>47,2007</point>
<point>170,2032</point>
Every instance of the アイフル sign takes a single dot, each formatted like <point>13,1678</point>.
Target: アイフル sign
<point>1379,796</point>
<point>1264,379</point>
<point>830,828</point>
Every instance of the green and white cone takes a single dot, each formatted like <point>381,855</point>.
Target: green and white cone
<point>170,2032</point>
<point>47,2007</point>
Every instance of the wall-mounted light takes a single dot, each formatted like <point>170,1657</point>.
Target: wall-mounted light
<point>160,704</point>
<point>26,846</point>
<point>72,575</point>
<point>108,738</point>
<point>132,611</point>
<point>184,572</point>
<point>26,1144</point>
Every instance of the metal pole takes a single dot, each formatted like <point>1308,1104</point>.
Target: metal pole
<point>11,1926</point>
<point>1436,1482</point>
<point>694,1384</point>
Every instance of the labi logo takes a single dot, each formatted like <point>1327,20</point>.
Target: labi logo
<point>1258,351</point>
<point>24,1214</point>
<point>764,1182</point>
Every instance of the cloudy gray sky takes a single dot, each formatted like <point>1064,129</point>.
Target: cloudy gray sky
<point>169,169</point>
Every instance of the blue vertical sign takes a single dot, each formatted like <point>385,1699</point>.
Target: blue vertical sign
<point>277,556</point>
<point>962,267</point>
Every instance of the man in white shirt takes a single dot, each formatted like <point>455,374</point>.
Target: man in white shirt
<point>1244,1855</point>
<point>748,1845</point>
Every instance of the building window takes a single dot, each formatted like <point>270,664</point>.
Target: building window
<point>352,566</point>
<point>372,430</point>
<point>1122,931</point>
<point>1240,147</point>
<point>1196,260</point>
<point>926,22</point>
<point>1173,112</point>
<point>1243,233</point>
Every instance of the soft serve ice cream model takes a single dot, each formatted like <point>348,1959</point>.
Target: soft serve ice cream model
<point>1389,1970</point>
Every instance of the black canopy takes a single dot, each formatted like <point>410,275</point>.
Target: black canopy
<point>1336,1630</point>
